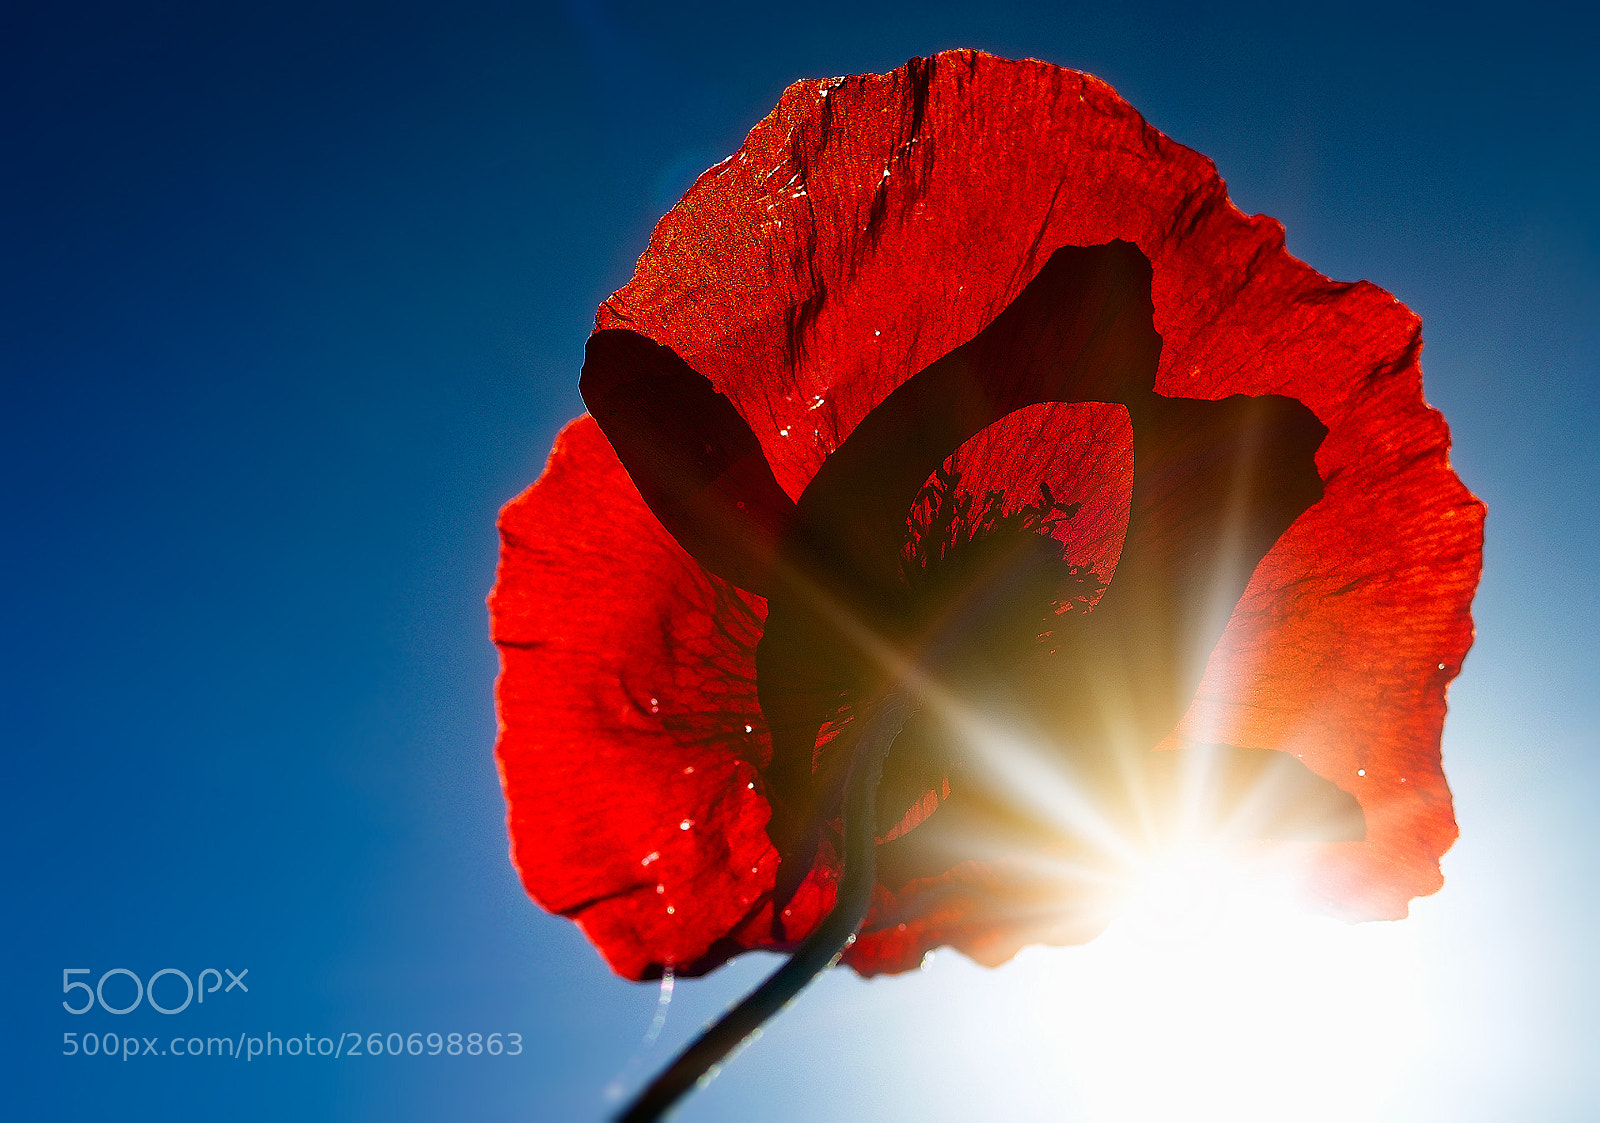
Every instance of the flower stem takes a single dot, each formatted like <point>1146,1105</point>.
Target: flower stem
<point>818,951</point>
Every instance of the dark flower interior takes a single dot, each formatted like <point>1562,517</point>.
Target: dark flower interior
<point>889,574</point>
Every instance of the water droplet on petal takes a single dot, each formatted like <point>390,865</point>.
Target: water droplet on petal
<point>686,824</point>
<point>650,857</point>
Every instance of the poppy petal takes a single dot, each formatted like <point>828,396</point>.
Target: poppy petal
<point>630,734</point>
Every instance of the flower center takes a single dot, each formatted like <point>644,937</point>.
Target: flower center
<point>985,582</point>
<point>988,585</point>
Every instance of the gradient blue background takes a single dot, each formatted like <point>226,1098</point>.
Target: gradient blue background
<point>295,297</point>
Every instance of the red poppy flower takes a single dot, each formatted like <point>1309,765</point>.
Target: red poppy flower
<point>965,372</point>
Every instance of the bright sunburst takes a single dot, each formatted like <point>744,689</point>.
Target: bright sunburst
<point>1218,997</point>
<point>1215,999</point>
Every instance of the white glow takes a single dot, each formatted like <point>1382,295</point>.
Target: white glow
<point>1218,998</point>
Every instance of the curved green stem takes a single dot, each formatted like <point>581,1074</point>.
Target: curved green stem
<point>822,948</point>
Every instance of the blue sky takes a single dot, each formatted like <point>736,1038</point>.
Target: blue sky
<point>295,298</point>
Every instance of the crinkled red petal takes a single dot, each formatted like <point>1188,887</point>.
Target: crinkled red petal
<point>630,736</point>
<point>871,225</point>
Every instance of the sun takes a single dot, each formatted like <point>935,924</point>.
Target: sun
<point>1219,996</point>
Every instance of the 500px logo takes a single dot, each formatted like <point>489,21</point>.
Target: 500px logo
<point>144,991</point>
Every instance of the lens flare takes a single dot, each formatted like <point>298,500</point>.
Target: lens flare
<point>1218,992</point>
